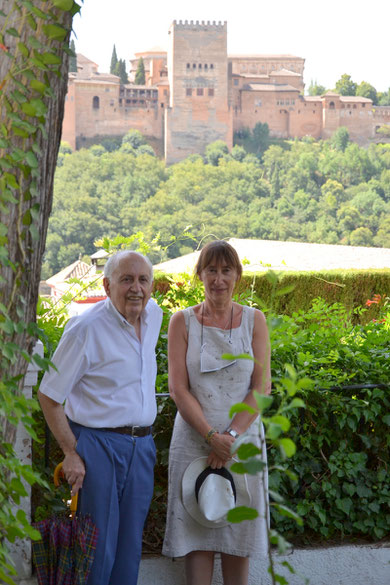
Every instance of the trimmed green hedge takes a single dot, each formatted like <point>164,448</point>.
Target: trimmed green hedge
<point>352,288</point>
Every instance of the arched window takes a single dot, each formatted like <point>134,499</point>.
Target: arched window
<point>95,102</point>
<point>331,106</point>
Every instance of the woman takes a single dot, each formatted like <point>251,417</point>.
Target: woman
<point>204,387</point>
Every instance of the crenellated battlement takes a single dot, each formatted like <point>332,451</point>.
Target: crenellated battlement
<point>198,25</point>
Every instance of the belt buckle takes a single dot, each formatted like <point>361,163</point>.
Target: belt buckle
<point>135,430</point>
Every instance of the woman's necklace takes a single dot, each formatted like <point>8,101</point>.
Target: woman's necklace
<point>231,325</point>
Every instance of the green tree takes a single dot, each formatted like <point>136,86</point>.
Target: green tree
<point>260,137</point>
<point>340,139</point>
<point>140,73</point>
<point>384,98</point>
<point>333,193</point>
<point>367,90</point>
<point>145,149</point>
<point>72,57</point>
<point>120,71</point>
<point>97,150</point>
<point>114,61</point>
<point>382,238</point>
<point>362,236</point>
<point>215,151</point>
<point>345,85</point>
<point>238,153</point>
<point>316,89</point>
<point>134,138</point>
<point>384,130</point>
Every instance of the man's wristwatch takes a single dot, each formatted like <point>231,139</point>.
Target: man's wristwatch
<point>232,433</point>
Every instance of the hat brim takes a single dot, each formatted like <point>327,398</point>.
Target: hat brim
<point>190,503</point>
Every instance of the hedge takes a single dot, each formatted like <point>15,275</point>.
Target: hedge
<point>351,288</point>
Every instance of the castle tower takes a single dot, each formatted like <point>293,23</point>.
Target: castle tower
<point>198,110</point>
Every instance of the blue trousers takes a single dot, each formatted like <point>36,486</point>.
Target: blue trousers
<point>117,491</point>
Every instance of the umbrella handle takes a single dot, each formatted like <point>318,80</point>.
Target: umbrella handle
<point>58,475</point>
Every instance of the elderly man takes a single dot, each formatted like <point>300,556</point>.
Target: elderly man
<point>106,375</point>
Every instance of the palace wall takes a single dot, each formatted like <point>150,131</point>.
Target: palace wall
<point>69,129</point>
<point>97,108</point>
<point>265,64</point>
<point>306,119</point>
<point>196,94</point>
<point>380,117</point>
<point>355,113</point>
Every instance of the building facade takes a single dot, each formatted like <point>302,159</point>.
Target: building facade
<point>196,93</point>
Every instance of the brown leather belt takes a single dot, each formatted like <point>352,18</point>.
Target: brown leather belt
<point>133,431</point>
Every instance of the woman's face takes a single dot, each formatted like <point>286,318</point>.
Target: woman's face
<point>219,281</point>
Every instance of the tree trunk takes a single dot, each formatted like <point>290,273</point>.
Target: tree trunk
<point>29,154</point>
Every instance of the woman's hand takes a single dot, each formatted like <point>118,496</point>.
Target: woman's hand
<point>220,454</point>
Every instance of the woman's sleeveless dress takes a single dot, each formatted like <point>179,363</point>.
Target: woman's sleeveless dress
<point>216,392</point>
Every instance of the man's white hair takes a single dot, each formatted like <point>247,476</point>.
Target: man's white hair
<point>113,261</point>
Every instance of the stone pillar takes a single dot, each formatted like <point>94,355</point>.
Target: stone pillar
<point>21,549</point>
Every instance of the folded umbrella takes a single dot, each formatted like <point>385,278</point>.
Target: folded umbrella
<point>65,553</point>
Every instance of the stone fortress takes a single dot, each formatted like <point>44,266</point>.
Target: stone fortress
<point>196,93</point>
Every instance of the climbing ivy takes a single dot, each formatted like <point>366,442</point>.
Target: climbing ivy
<point>34,49</point>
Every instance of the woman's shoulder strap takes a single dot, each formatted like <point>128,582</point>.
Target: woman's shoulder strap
<point>187,313</point>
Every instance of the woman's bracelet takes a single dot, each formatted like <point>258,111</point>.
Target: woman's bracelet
<point>209,435</point>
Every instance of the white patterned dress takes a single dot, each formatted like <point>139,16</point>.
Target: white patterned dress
<point>216,392</point>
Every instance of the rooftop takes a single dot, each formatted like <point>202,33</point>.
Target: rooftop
<point>298,256</point>
<point>285,73</point>
<point>261,56</point>
<point>269,87</point>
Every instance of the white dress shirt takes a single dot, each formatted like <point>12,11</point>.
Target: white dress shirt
<point>106,375</point>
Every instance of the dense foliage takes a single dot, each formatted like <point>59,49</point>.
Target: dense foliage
<point>346,86</point>
<point>326,192</point>
<point>342,436</point>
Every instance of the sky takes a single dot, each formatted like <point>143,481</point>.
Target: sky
<point>333,36</point>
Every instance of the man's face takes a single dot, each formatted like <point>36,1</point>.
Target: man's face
<point>130,286</point>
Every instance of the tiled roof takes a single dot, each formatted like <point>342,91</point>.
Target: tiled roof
<point>252,76</point>
<point>152,51</point>
<point>77,269</point>
<point>269,87</point>
<point>267,57</point>
<point>99,80</point>
<point>83,60</point>
<point>355,99</point>
<point>284,73</point>
<point>331,94</point>
<point>133,86</point>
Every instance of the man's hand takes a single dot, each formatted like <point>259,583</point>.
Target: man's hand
<point>73,466</point>
<point>74,470</point>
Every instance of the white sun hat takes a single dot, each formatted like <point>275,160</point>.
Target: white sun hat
<point>208,494</point>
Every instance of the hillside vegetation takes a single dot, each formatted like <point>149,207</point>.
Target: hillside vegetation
<point>330,192</point>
